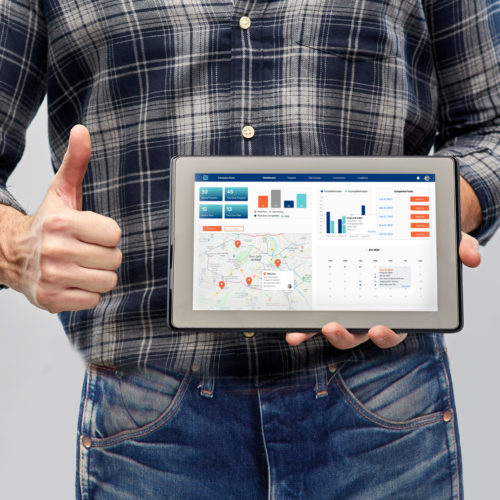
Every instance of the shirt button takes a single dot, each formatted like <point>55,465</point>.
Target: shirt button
<point>249,335</point>
<point>247,132</point>
<point>245,22</point>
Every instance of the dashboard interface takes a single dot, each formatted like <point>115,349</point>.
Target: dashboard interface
<point>315,242</point>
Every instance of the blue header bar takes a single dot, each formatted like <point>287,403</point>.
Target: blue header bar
<point>315,177</point>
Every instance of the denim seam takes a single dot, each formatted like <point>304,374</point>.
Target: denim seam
<point>451,441</point>
<point>447,381</point>
<point>89,401</point>
<point>83,471</point>
<point>263,434</point>
<point>415,423</point>
<point>165,417</point>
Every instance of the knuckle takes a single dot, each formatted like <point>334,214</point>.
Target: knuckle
<point>117,234</point>
<point>118,258</point>
<point>42,301</point>
<point>54,223</point>
<point>94,300</point>
<point>49,273</point>
<point>47,300</point>
<point>54,309</point>
<point>113,280</point>
<point>106,282</point>
<point>49,249</point>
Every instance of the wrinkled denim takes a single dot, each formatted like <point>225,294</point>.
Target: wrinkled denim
<point>380,428</point>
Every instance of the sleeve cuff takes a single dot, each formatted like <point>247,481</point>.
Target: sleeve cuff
<point>479,166</point>
<point>489,208</point>
<point>6,198</point>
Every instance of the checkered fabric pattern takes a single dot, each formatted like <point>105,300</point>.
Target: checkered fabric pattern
<point>153,79</point>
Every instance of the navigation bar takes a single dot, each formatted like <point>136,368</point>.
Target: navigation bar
<point>255,177</point>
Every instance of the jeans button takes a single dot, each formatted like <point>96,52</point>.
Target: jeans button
<point>332,367</point>
<point>447,415</point>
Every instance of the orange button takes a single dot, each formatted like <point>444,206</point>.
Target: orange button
<point>212,228</point>
<point>420,225</point>
<point>418,199</point>
<point>420,234</point>
<point>419,216</point>
<point>419,207</point>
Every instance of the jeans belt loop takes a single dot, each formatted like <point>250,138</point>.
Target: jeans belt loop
<point>320,387</point>
<point>206,387</point>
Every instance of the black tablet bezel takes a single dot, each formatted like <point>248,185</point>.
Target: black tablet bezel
<point>181,316</point>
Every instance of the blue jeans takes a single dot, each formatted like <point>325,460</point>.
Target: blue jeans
<point>380,428</point>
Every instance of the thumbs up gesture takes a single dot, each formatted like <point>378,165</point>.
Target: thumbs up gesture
<point>67,257</point>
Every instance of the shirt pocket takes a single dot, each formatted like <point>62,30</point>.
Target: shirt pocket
<point>356,31</point>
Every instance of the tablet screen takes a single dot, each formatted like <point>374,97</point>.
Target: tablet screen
<point>315,242</point>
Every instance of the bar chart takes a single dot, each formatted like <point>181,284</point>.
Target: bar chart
<point>346,214</point>
<point>341,222</point>
<point>280,199</point>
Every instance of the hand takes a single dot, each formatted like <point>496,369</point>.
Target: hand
<point>65,257</point>
<point>382,336</point>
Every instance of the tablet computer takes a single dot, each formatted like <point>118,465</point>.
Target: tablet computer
<point>292,243</point>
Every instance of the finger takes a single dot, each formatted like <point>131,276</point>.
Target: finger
<point>339,337</point>
<point>98,229</point>
<point>469,251</point>
<point>61,251</point>
<point>96,256</point>
<point>69,299</point>
<point>72,276</point>
<point>68,180</point>
<point>296,338</point>
<point>385,337</point>
<point>91,280</point>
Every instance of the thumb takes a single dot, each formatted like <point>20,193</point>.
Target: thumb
<point>68,180</point>
<point>469,251</point>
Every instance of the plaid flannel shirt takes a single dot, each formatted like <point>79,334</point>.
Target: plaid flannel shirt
<point>156,79</point>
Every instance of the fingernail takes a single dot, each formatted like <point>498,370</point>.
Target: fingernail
<point>475,243</point>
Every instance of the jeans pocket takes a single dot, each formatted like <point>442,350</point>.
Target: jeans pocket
<point>124,404</point>
<point>398,392</point>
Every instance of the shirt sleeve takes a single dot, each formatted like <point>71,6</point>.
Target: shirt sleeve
<point>23,61</point>
<point>466,45</point>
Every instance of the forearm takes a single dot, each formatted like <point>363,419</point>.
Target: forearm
<point>471,214</point>
<point>11,224</point>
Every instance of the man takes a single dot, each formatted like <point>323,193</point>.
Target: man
<point>173,415</point>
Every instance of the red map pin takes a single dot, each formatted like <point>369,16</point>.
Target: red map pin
<point>222,284</point>
<point>249,281</point>
<point>237,243</point>
<point>277,262</point>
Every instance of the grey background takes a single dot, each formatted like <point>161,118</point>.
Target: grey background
<point>41,375</point>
